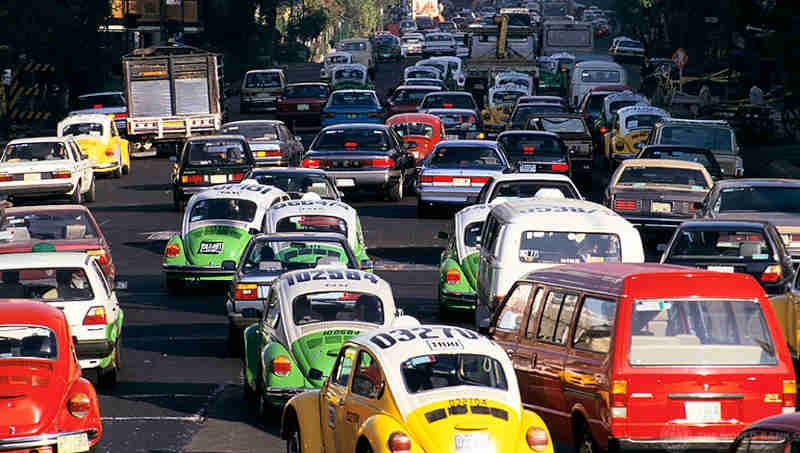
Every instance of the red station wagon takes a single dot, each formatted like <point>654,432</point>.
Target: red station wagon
<point>645,356</point>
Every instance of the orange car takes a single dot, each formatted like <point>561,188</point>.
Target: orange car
<point>420,131</point>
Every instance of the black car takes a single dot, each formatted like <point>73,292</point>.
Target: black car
<point>388,48</point>
<point>536,152</point>
<point>209,161</point>
<point>744,246</point>
<point>523,112</point>
<point>460,124</point>
<point>362,156</point>
<point>448,100</point>
<point>572,128</point>
<point>687,153</point>
<point>271,142</point>
<point>297,181</point>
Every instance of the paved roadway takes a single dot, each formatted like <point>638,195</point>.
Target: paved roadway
<point>179,389</point>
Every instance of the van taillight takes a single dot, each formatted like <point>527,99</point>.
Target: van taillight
<point>619,396</point>
<point>789,394</point>
<point>772,273</point>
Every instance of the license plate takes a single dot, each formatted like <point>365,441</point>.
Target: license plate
<point>218,179</point>
<point>73,443</point>
<point>211,248</point>
<point>452,137</point>
<point>346,182</point>
<point>660,207</point>
<point>703,411</point>
<point>352,116</point>
<point>472,442</point>
<point>527,168</point>
<point>173,123</point>
<point>301,107</point>
<point>462,181</point>
<point>33,177</point>
<point>720,268</point>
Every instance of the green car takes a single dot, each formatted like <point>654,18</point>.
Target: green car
<point>217,225</point>
<point>554,74</point>
<point>458,268</point>
<point>309,314</point>
<point>352,76</point>
<point>321,216</point>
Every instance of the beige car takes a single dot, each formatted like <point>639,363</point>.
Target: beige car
<point>261,89</point>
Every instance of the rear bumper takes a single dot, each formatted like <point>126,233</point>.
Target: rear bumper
<point>655,222</point>
<point>237,319</point>
<point>362,179</point>
<point>447,195</point>
<point>681,444</point>
<point>582,164</point>
<point>44,440</point>
<point>458,299</point>
<point>190,272</point>
<point>94,349</point>
<point>279,161</point>
<point>284,393</point>
<point>37,190</point>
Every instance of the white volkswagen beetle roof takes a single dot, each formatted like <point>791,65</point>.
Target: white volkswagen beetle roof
<point>435,339</point>
<point>562,215</point>
<point>339,53</point>
<point>258,193</point>
<point>51,139</point>
<point>350,66</point>
<point>626,95</point>
<point>85,118</point>
<point>315,207</point>
<point>639,109</point>
<point>553,177</point>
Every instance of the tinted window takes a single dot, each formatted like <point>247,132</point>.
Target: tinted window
<point>30,342</point>
<point>477,157</point>
<point>472,236</point>
<point>410,96</point>
<point>506,97</point>
<point>337,306</point>
<point>431,372</point>
<point>566,248</point>
<point>305,91</point>
<point>252,131</point>
<point>422,74</point>
<point>510,318</point>
<point>714,138</point>
<point>600,76</point>
<point>595,325</point>
<point>35,152</point>
<point>283,256</point>
<point>93,129</point>
<point>311,223</point>
<point>520,147</point>
<point>663,175</point>
<point>353,98</point>
<point>413,129</point>
<point>448,101</point>
<point>352,138</point>
<point>350,46</point>
<point>297,183</point>
<point>530,329</point>
<point>523,112</point>
<point>566,125</point>
<point>727,245</point>
<point>556,317</point>
<point>595,103</point>
<point>512,190</point>
<point>758,199</point>
<point>54,225</point>
<point>216,153</point>
<point>262,80</point>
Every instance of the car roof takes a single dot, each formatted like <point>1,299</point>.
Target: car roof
<point>265,70</point>
<point>31,260</point>
<point>297,84</point>
<point>203,138</point>
<point>306,235</point>
<point>471,214</point>
<point>270,122</point>
<point>670,163</point>
<point>522,132</point>
<point>599,89</point>
<point>303,207</point>
<point>256,193</point>
<point>353,91</point>
<point>31,312</point>
<point>47,208</point>
<point>355,126</point>
<point>759,182</point>
<point>550,177</point>
<point>451,110</point>
<point>560,213</point>
<point>292,287</point>
<point>598,63</point>
<point>409,117</point>
<point>102,93</point>
<point>418,87</point>
<point>687,148</point>
<point>50,139</point>
<point>457,93</point>
<point>290,170</point>
<point>84,117</point>
<point>641,109</point>
<point>468,143</point>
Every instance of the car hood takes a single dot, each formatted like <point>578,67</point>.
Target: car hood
<point>234,239</point>
<point>664,194</point>
<point>27,394</point>
<point>318,350</point>
<point>469,267</point>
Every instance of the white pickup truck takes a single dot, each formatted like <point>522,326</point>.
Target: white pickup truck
<point>46,167</point>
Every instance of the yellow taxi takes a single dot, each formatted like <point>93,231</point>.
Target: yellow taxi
<point>98,138</point>
<point>427,388</point>
<point>630,129</point>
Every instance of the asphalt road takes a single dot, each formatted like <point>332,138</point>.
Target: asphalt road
<point>179,389</point>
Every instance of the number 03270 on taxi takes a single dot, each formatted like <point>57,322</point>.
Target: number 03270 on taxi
<point>426,388</point>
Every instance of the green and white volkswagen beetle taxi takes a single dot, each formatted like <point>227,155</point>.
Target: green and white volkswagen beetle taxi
<point>217,225</point>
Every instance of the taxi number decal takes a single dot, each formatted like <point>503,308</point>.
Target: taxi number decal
<point>306,276</point>
<point>311,203</point>
<point>233,188</point>
<point>467,402</point>
<point>340,332</point>
<point>387,340</point>
<point>562,209</point>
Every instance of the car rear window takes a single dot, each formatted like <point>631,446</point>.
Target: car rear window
<point>352,138</point>
<point>285,256</point>
<point>714,138</point>
<point>506,97</point>
<point>438,38</point>
<point>524,112</point>
<point>71,225</point>
<point>476,157</point>
<point>46,284</point>
<point>252,131</point>
<point>566,125</point>
<point>311,223</point>
<point>448,101</point>
<point>521,147</point>
<point>224,209</point>
<point>27,342</point>
<point>353,46</point>
<point>421,74</point>
<point>699,333</point>
<point>216,153</point>
<point>100,101</point>
<point>687,156</point>
<point>644,175</point>
<point>338,59</point>
<point>616,105</point>
<point>356,74</point>
<point>35,152</point>
<point>512,190</point>
<point>413,129</point>
<point>438,371</point>
<point>93,129</point>
<point>557,247</point>
<point>297,183</point>
<point>641,121</point>
<point>600,76</point>
<point>305,91</point>
<point>727,245</point>
<point>410,96</point>
<point>262,80</point>
<point>337,306</point>
<point>758,199</point>
<point>353,98</point>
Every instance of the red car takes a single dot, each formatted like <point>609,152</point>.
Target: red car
<point>46,405</point>
<point>421,129</point>
<point>406,98</point>
<point>69,228</point>
<point>301,104</point>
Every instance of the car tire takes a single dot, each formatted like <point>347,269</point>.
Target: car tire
<point>423,211</point>
<point>175,286</point>
<point>116,174</point>
<point>77,196</point>
<point>91,195</point>
<point>583,439</point>
<point>293,440</point>
<point>235,345</point>
<point>108,378</point>
<point>395,192</point>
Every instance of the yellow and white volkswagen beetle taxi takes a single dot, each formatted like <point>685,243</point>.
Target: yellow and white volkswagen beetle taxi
<point>630,129</point>
<point>98,138</point>
<point>427,388</point>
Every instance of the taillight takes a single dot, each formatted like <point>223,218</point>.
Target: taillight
<point>772,273</point>
<point>448,106</point>
<point>789,394</point>
<point>79,405</point>
<point>560,167</point>
<point>110,152</point>
<point>471,119</point>
<point>375,115</point>
<point>192,178</point>
<point>102,259</point>
<point>603,130</point>
<point>399,442</point>
<point>283,107</point>
<point>625,205</point>
<point>479,179</point>
<point>619,396</point>
<point>383,162</point>
<point>61,174</point>
<point>119,115</point>
<point>246,291</point>
<point>793,238</point>
<point>6,178</point>
<point>537,438</point>
<point>310,163</point>
<point>237,177</point>
<point>453,276</point>
<point>281,366</point>
<point>98,106</point>
<point>329,115</point>
<point>426,179</point>
<point>172,250</point>
<point>95,316</point>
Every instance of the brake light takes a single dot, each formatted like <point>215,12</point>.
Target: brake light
<point>789,393</point>
<point>79,405</point>
<point>453,276</point>
<point>537,438</point>
<point>793,237</point>
<point>192,178</point>
<point>246,291</point>
<point>772,273</point>
<point>102,259</point>
<point>448,106</point>
<point>479,179</point>
<point>95,316</point>
<point>110,152</point>
<point>97,106</point>
<point>384,162</point>
<point>625,205</point>
<point>281,366</point>
<point>399,442</point>
<point>528,149</point>
<point>603,130</point>
<point>237,177</point>
<point>329,115</point>
<point>619,395</point>
<point>560,167</point>
<point>350,144</point>
<point>587,116</point>
<point>692,209</point>
<point>310,163</point>
<point>119,115</point>
<point>426,179</point>
<point>374,115</point>
<point>471,119</point>
<point>6,178</point>
<point>61,174</point>
<point>172,250</point>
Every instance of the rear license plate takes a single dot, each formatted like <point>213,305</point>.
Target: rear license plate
<point>211,248</point>
<point>660,207</point>
<point>461,181</point>
<point>218,179</point>
<point>703,411</point>
<point>33,177</point>
<point>346,182</point>
<point>471,442</point>
<point>720,268</point>
<point>73,443</point>
<point>352,116</point>
<point>301,107</point>
<point>452,137</point>
<point>527,168</point>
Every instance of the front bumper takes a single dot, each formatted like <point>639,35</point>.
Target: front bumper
<point>38,190</point>
<point>684,444</point>
<point>93,349</point>
<point>106,167</point>
<point>191,272</point>
<point>362,179</point>
<point>43,440</point>
<point>459,299</point>
<point>447,194</point>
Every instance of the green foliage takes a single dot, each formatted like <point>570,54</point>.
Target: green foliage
<point>310,26</point>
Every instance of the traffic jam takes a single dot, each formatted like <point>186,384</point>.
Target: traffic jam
<point>610,280</point>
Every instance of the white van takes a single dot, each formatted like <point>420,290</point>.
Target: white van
<point>521,236</point>
<point>594,73</point>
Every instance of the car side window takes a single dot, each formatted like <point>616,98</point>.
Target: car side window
<point>274,311</point>
<point>530,329</point>
<point>102,276</point>
<point>510,318</point>
<point>482,195</point>
<point>367,380</point>
<point>344,367</point>
<point>556,317</point>
<point>595,325</point>
<point>113,130</point>
<point>491,229</point>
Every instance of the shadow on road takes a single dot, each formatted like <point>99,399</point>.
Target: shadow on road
<point>407,255</point>
<point>149,187</point>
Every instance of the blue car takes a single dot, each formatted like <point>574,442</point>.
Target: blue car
<point>352,106</point>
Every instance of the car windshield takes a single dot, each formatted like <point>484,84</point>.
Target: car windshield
<point>46,284</point>
<point>600,76</point>
<point>522,147</point>
<point>558,247</point>
<point>305,91</point>
<point>351,46</point>
<point>514,190</point>
<point>727,245</point>
<point>262,80</point>
<point>645,175</point>
<point>223,209</point>
<point>252,131</point>
<point>28,342</point>
<point>448,101</point>
<point>59,225</point>
<point>713,138</point>
<point>353,98</point>
<point>441,67</point>
<point>338,59</point>
<point>641,121</point>
<point>285,256</point>
<point>687,156</point>
<point>93,129</point>
<point>506,97</point>
<point>35,152</point>
<point>616,105</point>
<point>100,101</point>
<point>758,199</point>
<point>297,183</point>
<point>438,371</point>
<point>699,333</point>
<point>422,73</point>
<point>410,96</point>
<point>349,74</point>
<point>311,224</point>
<point>565,125</point>
<point>413,129</point>
<point>216,153</point>
<point>337,306</point>
<point>595,103</point>
<point>476,157</point>
<point>472,237</point>
<point>455,119</point>
<point>352,138</point>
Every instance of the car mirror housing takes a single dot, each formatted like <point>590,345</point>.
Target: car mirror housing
<point>228,265</point>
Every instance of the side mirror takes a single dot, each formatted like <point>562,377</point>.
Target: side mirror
<point>367,264</point>
<point>228,265</point>
<point>442,235</point>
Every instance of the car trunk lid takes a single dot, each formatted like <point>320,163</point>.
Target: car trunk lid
<point>210,245</point>
<point>316,352</point>
<point>26,394</point>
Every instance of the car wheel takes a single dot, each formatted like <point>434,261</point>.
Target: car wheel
<point>396,190</point>
<point>583,440</point>
<point>108,377</point>
<point>174,286</point>
<point>235,341</point>
<point>77,196</point>
<point>91,194</point>
<point>293,443</point>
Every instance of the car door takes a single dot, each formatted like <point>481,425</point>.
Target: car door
<point>333,400</point>
<point>83,169</point>
<point>524,357</point>
<point>362,400</point>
